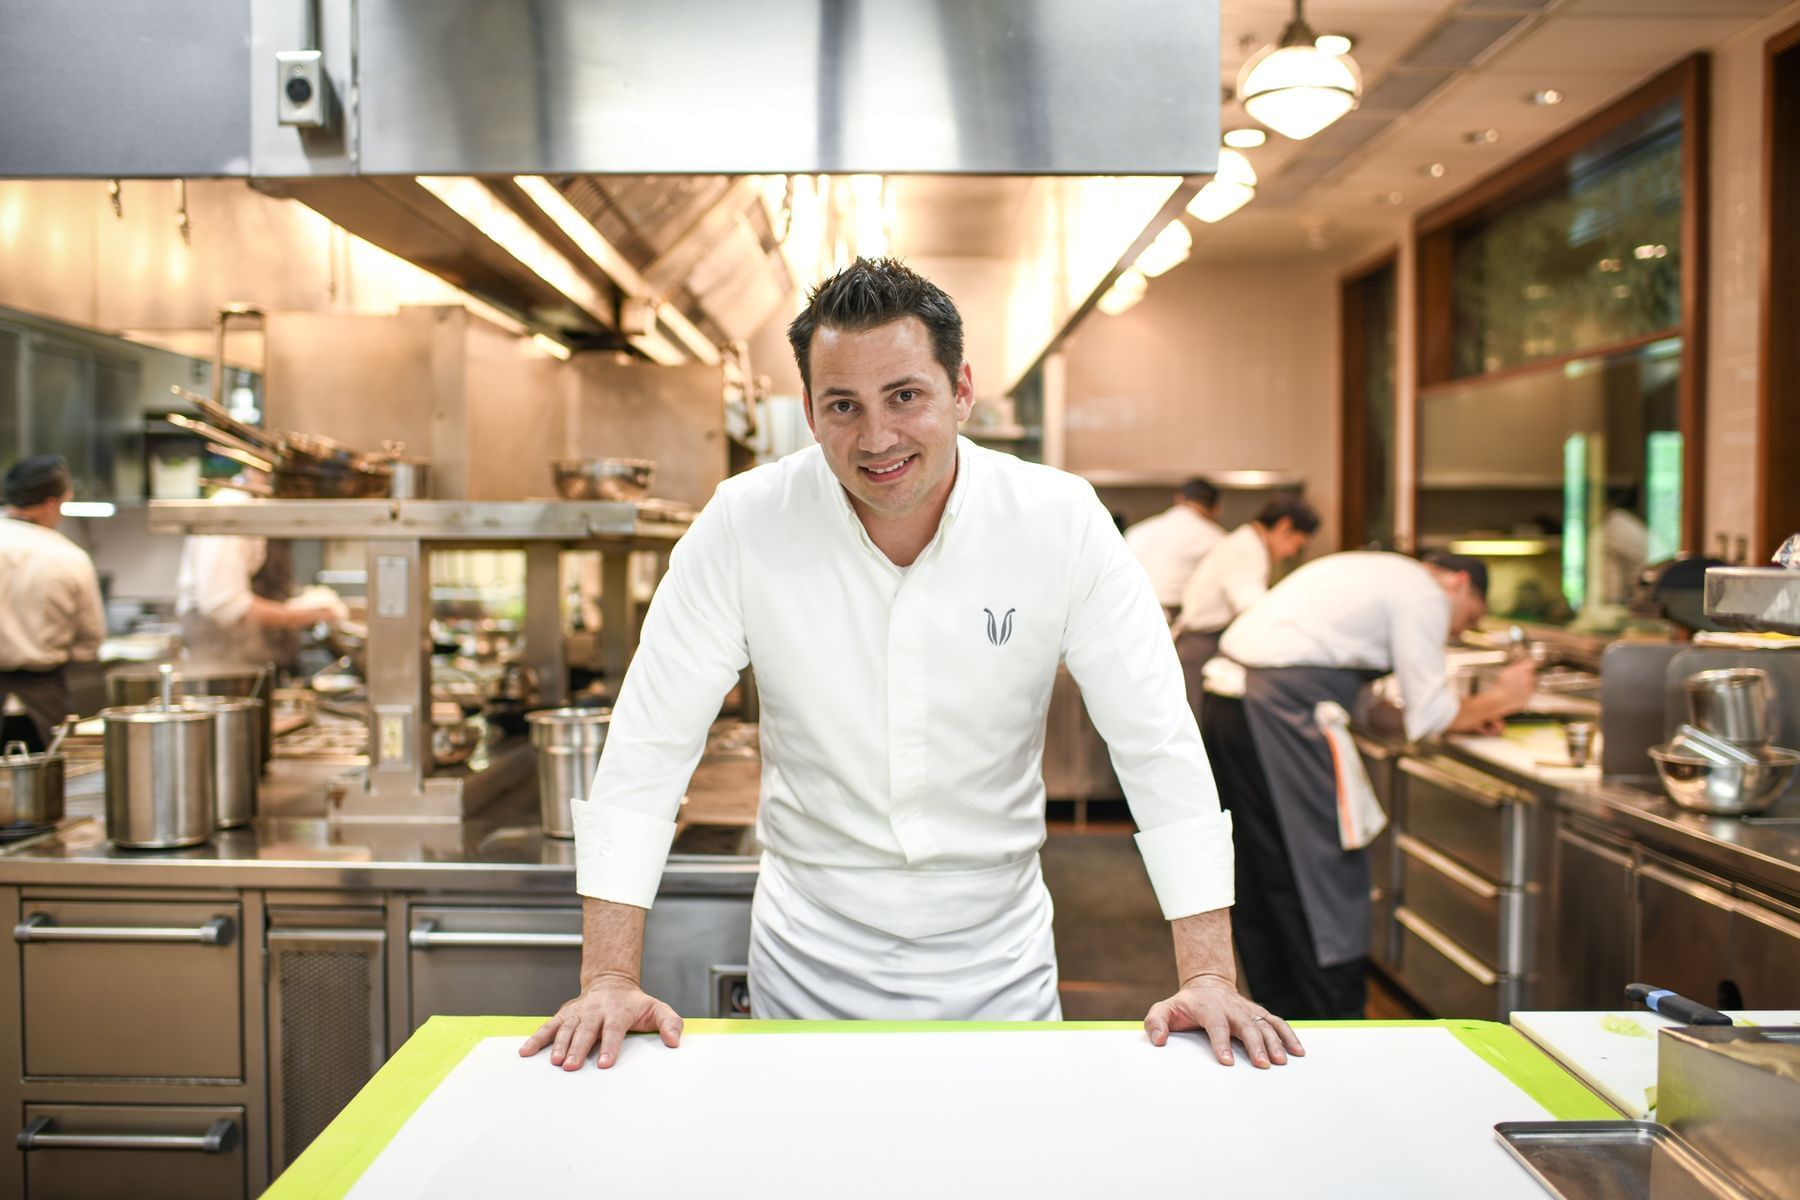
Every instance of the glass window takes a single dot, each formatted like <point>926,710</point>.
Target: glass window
<point>1566,480</point>
<point>1595,262</point>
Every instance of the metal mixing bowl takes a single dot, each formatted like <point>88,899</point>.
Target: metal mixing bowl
<point>1727,789</point>
<point>602,478</point>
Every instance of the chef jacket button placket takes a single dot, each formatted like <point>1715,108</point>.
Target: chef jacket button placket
<point>908,713</point>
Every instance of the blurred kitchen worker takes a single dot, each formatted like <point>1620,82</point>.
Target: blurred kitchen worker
<point>50,610</point>
<point>224,620</point>
<point>1334,625</point>
<point>1172,543</point>
<point>905,597</point>
<point>1233,575</point>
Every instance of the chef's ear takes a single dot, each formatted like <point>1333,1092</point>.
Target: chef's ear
<point>965,392</point>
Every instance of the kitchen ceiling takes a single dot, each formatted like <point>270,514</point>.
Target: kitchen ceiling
<point>1433,71</point>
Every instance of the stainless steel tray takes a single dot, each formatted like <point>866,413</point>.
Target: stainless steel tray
<point>1615,1160</point>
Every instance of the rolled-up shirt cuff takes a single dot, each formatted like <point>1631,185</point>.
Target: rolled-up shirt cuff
<point>619,852</point>
<point>1190,865</point>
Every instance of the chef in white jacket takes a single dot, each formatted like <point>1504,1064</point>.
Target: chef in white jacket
<point>1322,634</point>
<point>1175,541</point>
<point>223,619</point>
<point>905,598</point>
<point>1232,576</point>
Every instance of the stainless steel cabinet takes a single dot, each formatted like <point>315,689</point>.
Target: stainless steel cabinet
<point>1384,856</point>
<point>132,989</point>
<point>1472,817</point>
<point>1765,955</point>
<point>477,960</point>
<point>133,1152</point>
<point>1683,931</point>
<point>327,1018</point>
<point>1596,917</point>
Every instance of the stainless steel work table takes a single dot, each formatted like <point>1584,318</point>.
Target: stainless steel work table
<point>295,845</point>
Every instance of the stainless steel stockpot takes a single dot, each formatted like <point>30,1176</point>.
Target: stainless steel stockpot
<point>237,754</point>
<point>161,788</point>
<point>568,743</point>
<point>31,787</point>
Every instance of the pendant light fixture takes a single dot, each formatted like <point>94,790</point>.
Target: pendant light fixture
<point>1232,186</point>
<point>1294,87</point>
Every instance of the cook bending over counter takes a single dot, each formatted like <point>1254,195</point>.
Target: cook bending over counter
<point>1317,638</point>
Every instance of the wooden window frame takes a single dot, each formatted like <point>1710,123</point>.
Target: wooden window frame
<point>1539,171</point>
<point>1353,401</point>
<point>1777,508</point>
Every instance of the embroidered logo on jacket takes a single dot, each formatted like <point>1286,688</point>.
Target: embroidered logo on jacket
<point>999,631</point>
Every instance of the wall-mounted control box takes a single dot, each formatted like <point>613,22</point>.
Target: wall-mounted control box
<point>303,91</point>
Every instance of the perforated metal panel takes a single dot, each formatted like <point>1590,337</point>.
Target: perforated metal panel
<point>326,1025</point>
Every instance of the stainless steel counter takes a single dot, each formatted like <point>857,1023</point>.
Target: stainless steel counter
<point>295,845</point>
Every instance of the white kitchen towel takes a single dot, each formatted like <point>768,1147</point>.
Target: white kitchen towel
<point>1360,815</point>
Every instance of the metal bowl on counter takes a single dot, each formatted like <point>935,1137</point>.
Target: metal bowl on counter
<point>602,478</point>
<point>1725,789</point>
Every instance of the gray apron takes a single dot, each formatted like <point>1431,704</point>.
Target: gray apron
<point>1296,759</point>
<point>1194,648</point>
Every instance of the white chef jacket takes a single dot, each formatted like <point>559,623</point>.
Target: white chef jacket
<point>1232,576</point>
<point>50,611</point>
<point>1358,609</point>
<point>1170,545</point>
<point>213,580</point>
<point>903,710</point>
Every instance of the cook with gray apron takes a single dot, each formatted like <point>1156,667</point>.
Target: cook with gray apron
<point>50,607</point>
<point>1301,922</point>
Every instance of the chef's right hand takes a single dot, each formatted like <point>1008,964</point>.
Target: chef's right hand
<point>609,1007</point>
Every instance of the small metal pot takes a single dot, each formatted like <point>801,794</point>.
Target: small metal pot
<point>568,743</point>
<point>161,784</point>
<point>1732,703</point>
<point>31,787</point>
<point>408,478</point>
<point>237,754</point>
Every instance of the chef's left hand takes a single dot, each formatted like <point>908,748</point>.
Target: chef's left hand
<point>1212,1004</point>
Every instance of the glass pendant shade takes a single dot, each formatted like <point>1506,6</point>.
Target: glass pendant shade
<point>1126,291</point>
<point>1295,88</point>
<point>1230,188</point>
<point>1169,250</point>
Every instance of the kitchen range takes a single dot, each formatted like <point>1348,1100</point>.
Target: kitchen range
<point>384,383</point>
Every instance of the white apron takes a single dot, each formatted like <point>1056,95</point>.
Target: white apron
<point>808,962</point>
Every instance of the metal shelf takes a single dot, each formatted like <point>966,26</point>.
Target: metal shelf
<point>1760,598</point>
<point>455,521</point>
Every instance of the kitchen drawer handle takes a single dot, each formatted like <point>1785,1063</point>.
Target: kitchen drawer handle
<point>427,935</point>
<point>220,1137</point>
<point>1437,940</point>
<point>1493,796</point>
<point>38,927</point>
<point>1468,880</point>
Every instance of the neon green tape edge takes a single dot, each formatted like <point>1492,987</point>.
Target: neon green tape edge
<point>340,1154</point>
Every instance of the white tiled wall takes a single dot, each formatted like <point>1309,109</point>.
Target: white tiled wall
<point>1219,367</point>
<point>1735,283</point>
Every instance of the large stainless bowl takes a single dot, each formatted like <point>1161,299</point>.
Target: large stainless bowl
<point>1724,788</point>
<point>602,478</point>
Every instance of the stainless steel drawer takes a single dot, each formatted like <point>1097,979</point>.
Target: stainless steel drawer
<point>133,1152</point>
<point>1472,817</point>
<point>132,990</point>
<point>492,961</point>
<point>1446,978</point>
<point>1475,912</point>
<point>1384,933</point>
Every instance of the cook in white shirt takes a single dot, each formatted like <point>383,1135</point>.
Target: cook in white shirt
<point>50,611</point>
<point>905,598</point>
<point>1321,634</point>
<point>1231,577</point>
<point>223,620</point>
<point>1172,543</point>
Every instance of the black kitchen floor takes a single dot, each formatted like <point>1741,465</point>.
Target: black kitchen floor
<point>1112,944</point>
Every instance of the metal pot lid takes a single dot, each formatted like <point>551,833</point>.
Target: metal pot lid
<point>217,703</point>
<point>9,758</point>
<point>154,714</point>
<point>570,716</point>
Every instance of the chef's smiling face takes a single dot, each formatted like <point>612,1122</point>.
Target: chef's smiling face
<point>885,412</point>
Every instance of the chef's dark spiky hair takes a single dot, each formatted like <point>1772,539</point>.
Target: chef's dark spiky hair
<point>871,292</point>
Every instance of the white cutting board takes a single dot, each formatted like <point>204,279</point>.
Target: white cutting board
<point>1618,1062</point>
<point>1382,1112</point>
<point>1534,751</point>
